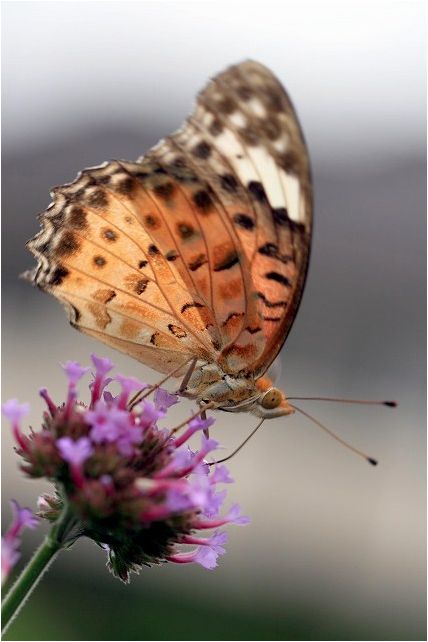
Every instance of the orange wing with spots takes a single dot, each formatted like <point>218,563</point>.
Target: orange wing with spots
<point>200,248</point>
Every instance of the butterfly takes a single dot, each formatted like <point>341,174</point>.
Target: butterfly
<point>193,258</point>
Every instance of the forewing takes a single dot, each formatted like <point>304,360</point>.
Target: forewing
<point>244,141</point>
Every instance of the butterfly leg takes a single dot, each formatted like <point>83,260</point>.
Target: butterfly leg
<point>187,376</point>
<point>206,431</point>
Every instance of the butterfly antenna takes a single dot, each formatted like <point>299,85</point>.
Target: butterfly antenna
<point>138,397</point>
<point>220,461</point>
<point>371,460</point>
<point>367,402</point>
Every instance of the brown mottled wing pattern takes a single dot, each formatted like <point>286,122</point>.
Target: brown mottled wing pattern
<point>244,141</point>
<point>198,249</point>
<point>98,254</point>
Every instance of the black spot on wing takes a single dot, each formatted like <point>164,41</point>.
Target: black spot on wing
<point>99,261</point>
<point>244,92</point>
<point>258,191</point>
<point>229,183</point>
<point>253,330</point>
<point>177,331</point>
<point>125,186</point>
<point>58,276</point>
<point>197,262</point>
<point>215,128</point>
<point>98,199</point>
<point>226,106</point>
<point>250,136</point>
<point>203,200</point>
<point>164,190</point>
<point>272,250</point>
<point>153,250</point>
<point>151,222</point>
<point>202,150</point>
<point>227,262</point>
<point>232,315</point>
<point>109,235</point>
<point>187,306</point>
<point>185,231</point>
<point>280,216</point>
<point>140,286</point>
<point>77,218</point>
<point>244,221</point>
<point>68,244</point>
<point>109,296</point>
<point>279,278</point>
<point>271,304</point>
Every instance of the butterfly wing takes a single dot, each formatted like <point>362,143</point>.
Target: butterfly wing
<point>98,255</point>
<point>198,249</point>
<point>245,142</point>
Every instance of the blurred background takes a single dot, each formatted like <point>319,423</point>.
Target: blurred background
<point>336,549</point>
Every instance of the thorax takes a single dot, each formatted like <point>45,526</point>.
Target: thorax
<point>210,383</point>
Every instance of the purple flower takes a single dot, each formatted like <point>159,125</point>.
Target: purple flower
<point>207,557</point>
<point>214,503</point>
<point>129,437</point>
<point>22,518</point>
<point>75,452</point>
<point>129,384</point>
<point>150,414</point>
<point>105,421</point>
<point>180,460</point>
<point>110,424</point>
<point>50,404</point>
<point>194,425</point>
<point>102,365</point>
<point>15,411</point>
<point>207,552</point>
<point>136,489</point>
<point>163,400</point>
<point>221,475</point>
<point>178,500</point>
<point>74,372</point>
<point>234,516</point>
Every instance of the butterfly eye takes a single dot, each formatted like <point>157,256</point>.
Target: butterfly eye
<point>272,399</point>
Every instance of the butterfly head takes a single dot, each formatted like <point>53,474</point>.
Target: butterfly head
<point>272,403</point>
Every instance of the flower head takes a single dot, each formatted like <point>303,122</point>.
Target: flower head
<point>134,487</point>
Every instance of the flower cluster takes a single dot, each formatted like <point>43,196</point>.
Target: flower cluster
<point>22,518</point>
<point>136,489</point>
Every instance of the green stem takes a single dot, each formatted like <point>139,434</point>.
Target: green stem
<point>32,573</point>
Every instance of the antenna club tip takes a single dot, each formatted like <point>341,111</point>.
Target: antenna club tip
<point>391,404</point>
<point>373,462</point>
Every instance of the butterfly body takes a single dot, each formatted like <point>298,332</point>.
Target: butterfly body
<point>198,250</point>
<point>209,384</point>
